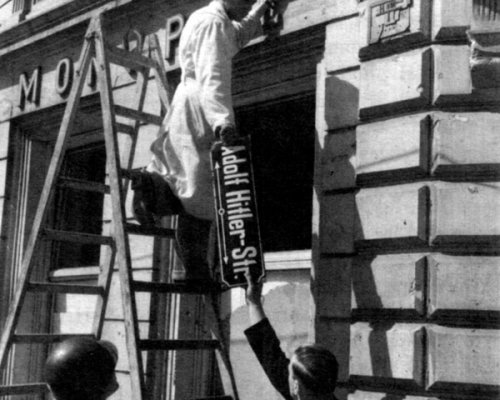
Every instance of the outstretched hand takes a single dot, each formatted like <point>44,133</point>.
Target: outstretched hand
<point>229,135</point>
<point>253,291</point>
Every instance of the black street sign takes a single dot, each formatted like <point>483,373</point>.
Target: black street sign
<point>236,214</point>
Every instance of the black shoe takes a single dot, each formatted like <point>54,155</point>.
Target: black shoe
<point>143,200</point>
<point>152,198</point>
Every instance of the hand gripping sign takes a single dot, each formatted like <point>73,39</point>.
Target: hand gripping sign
<point>238,231</point>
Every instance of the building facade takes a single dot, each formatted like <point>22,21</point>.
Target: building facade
<point>375,144</point>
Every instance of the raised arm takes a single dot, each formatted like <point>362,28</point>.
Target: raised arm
<point>264,342</point>
<point>254,295</point>
<point>250,27</point>
<point>212,60</point>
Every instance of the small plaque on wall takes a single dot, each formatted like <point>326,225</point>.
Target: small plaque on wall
<point>389,18</point>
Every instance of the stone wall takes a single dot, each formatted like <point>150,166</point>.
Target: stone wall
<point>408,273</point>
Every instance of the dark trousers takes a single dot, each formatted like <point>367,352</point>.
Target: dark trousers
<point>196,246</point>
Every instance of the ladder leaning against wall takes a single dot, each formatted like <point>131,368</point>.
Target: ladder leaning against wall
<point>117,242</point>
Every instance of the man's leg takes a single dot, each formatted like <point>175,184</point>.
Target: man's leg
<point>193,240</point>
<point>152,197</point>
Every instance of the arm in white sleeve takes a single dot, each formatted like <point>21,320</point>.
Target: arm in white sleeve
<point>250,27</point>
<point>213,73</point>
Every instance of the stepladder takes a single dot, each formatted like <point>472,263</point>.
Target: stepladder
<point>120,127</point>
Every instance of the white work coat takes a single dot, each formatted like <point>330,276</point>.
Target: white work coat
<point>202,102</point>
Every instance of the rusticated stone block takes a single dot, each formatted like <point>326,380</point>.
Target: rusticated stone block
<point>338,170</point>
<point>398,82</point>
<point>462,356</point>
<point>466,144</point>
<point>389,284</point>
<point>392,215</point>
<point>332,288</point>
<point>342,44</point>
<point>465,214</point>
<point>451,72</point>
<point>453,81</point>
<point>450,19</point>
<point>337,223</point>
<point>362,395</point>
<point>391,26</point>
<point>463,285</point>
<point>394,148</point>
<point>341,94</point>
<point>387,352</point>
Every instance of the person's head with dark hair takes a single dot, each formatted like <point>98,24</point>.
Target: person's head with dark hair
<point>313,372</point>
<point>82,368</point>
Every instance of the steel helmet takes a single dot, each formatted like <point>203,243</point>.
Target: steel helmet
<point>80,366</point>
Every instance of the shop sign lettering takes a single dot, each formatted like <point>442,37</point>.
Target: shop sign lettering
<point>30,84</point>
<point>389,18</point>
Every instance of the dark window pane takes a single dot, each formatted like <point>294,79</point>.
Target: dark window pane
<point>283,158</point>
<point>80,211</point>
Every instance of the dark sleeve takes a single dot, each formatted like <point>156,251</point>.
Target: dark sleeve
<point>266,346</point>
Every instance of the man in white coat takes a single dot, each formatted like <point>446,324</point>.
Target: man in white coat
<point>201,112</point>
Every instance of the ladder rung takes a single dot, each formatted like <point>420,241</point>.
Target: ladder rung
<point>65,288</point>
<point>138,115</point>
<point>158,344</point>
<point>158,287</point>
<point>46,337</point>
<point>124,128</point>
<point>136,229</point>
<point>80,184</point>
<point>77,237</point>
<point>129,59</point>
<point>27,388</point>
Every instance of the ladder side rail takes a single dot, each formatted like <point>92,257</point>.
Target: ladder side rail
<point>118,208</point>
<point>138,104</point>
<point>159,72</point>
<point>45,197</point>
<point>110,258</point>
<point>223,350</point>
<point>104,282</point>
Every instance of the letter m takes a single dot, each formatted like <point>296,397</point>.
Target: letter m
<point>29,91</point>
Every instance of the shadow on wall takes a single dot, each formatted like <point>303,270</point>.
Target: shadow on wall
<point>340,275</point>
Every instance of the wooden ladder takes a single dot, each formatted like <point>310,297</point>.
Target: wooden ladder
<point>118,254</point>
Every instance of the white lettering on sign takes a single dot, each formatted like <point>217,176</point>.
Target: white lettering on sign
<point>30,85</point>
<point>389,18</point>
<point>238,206</point>
<point>174,28</point>
<point>30,90</point>
<point>64,76</point>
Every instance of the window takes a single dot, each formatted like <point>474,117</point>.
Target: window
<point>79,211</point>
<point>283,160</point>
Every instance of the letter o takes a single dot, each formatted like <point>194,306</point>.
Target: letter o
<point>230,169</point>
<point>64,76</point>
